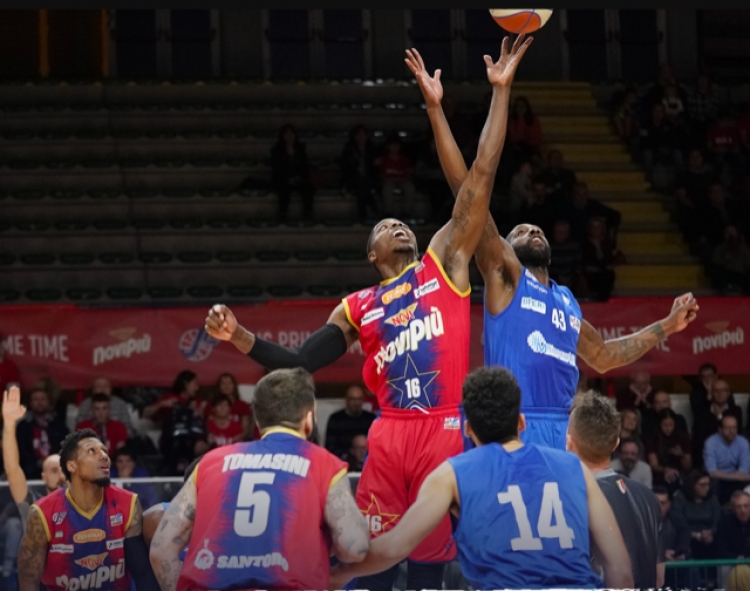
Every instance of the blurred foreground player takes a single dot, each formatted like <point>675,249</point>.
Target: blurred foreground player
<point>593,434</point>
<point>532,325</point>
<point>524,512</point>
<point>263,514</point>
<point>88,535</point>
<point>414,329</point>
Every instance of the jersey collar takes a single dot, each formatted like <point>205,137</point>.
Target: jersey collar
<point>88,516</point>
<point>282,430</point>
<point>397,277</point>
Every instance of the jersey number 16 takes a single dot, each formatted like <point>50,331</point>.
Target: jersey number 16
<point>551,507</point>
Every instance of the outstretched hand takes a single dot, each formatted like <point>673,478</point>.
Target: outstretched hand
<point>684,311</point>
<point>501,72</point>
<point>13,410</point>
<point>220,322</point>
<point>431,87</point>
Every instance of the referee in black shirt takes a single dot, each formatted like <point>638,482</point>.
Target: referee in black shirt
<point>593,434</point>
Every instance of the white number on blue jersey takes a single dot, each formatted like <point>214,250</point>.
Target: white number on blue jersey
<point>551,508</point>
<point>251,516</point>
<point>413,389</point>
<point>558,319</point>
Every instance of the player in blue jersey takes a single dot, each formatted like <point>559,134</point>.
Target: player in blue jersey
<point>532,325</point>
<point>525,513</point>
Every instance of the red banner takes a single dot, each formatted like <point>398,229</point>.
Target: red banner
<point>149,347</point>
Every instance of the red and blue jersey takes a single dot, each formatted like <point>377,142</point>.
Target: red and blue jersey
<point>414,330</point>
<point>86,550</point>
<point>260,516</point>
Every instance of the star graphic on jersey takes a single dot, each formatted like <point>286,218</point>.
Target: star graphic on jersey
<point>378,511</point>
<point>411,378</point>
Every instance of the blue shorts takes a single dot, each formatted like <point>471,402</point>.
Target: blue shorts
<point>547,429</point>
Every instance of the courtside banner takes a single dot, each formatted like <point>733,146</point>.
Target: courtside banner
<point>142,346</point>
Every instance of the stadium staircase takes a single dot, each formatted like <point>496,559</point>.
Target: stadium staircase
<point>129,192</point>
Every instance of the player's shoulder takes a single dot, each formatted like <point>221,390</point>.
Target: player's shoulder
<point>116,492</point>
<point>51,500</point>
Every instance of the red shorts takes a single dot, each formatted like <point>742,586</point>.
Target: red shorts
<point>403,447</point>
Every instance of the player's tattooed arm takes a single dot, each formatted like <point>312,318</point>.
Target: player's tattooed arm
<point>136,521</point>
<point>495,258</point>
<point>605,355</point>
<point>32,554</point>
<point>172,535</point>
<point>456,242</point>
<point>348,527</point>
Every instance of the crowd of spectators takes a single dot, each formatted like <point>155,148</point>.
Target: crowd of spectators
<point>703,144</point>
<point>700,472</point>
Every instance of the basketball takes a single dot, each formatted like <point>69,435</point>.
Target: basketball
<point>521,20</point>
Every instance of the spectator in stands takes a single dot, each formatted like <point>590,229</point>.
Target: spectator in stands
<point>125,465</point>
<point>9,373</point>
<point>630,427</point>
<point>560,180</point>
<point>700,389</point>
<point>430,181</point>
<point>627,120</point>
<point>582,208</point>
<point>687,216</point>
<point>461,126</point>
<point>676,542</point>
<point>697,510</point>
<point>730,263</point>
<point>57,402</point>
<point>290,172</point>
<point>538,209</point>
<point>599,261</point>
<point>668,452</point>
<point>702,107</point>
<point>723,143</point>
<point>637,394</point>
<point>567,258</point>
<point>357,163</point>
<point>347,423</point>
<point>718,214</point>
<point>743,130</point>
<point>733,530</point>
<point>119,410</point>
<point>241,410</point>
<point>112,433</point>
<point>726,456</point>
<point>696,179</point>
<point>39,434</point>
<point>660,401</point>
<point>521,190</point>
<point>357,453</point>
<point>658,90</point>
<point>706,424</point>
<point>183,435</point>
<point>396,173</point>
<point>743,206</point>
<point>524,130</point>
<point>674,108</point>
<point>222,428</point>
<point>660,142</point>
<point>628,463</point>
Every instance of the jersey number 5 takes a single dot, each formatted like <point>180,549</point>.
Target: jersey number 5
<point>551,507</point>
<point>251,516</point>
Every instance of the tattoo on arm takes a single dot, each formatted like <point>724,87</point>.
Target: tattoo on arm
<point>347,524</point>
<point>136,523</point>
<point>603,356</point>
<point>32,554</point>
<point>172,536</point>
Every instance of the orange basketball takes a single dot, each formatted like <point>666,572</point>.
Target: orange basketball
<point>521,20</point>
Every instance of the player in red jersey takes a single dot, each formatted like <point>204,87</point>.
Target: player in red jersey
<point>86,536</point>
<point>263,514</point>
<point>414,329</point>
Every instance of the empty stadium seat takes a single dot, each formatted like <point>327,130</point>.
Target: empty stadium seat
<point>350,255</point>
<point>311,255</point>
<point>77,258</point>
<point>6,259</point>
<point>195,257</point>
<point>124,293</point>
<point>164,292</point>
<point>117,258</point>
<point>83,293</point>
<point>324,290</point>
<point>71,225</point>
<point>285,291</point>
<point>148,224</point>
<point>9,295</point>
<point>272,256</point>
<point>245,291</point>
<point>44,295</point>
<point>33,226</point>
<point>233,256</point>
<point>38,258</point>
<point>155,258</point>
<point>110,225</point>
<point>205,291</point>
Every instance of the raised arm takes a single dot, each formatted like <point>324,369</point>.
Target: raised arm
<point>13,411</point>
<point>436,496</point>
<point>136,551</point>
<point>495,257</point>
<point>172,535</point>
<point>604,355</point>
<point>32,554</point>
<point>320,349</point>
<point>456,242</point>
<point>607,544</point>
<point>348,527</point>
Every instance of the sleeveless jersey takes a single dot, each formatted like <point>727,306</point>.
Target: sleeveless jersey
<point>523,519</point>
<point>259,521</point>
<point>414,330</point>
<point>536,338</point>
<point>86,550</point>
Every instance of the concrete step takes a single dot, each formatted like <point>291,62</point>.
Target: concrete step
<point>679,277</point>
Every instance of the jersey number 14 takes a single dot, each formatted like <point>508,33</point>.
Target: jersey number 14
<point>551,508</point>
